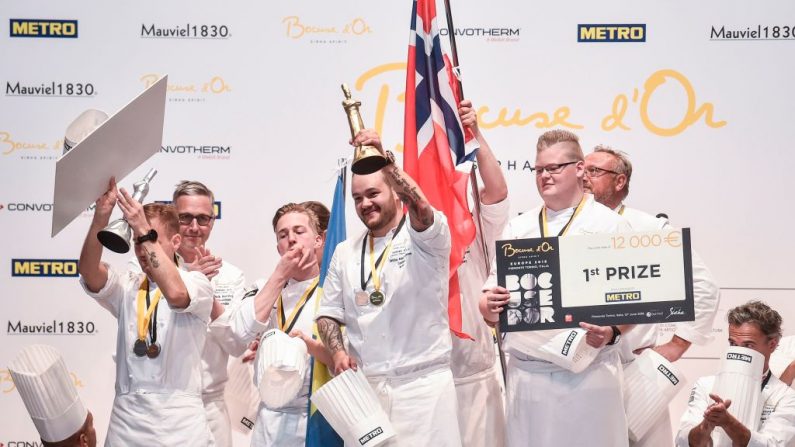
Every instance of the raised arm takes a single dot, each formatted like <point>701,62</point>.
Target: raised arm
<point>294,260</point>
<point>406,188</point>
<point>90,267</point>
<point>495,189</point>
<point>154,260</point>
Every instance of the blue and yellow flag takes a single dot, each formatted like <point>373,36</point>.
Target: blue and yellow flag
<point>318,431</point>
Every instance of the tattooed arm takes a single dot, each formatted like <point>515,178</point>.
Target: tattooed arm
<point>153,259</point>
<point>405,187</point>
<point>331,334</point>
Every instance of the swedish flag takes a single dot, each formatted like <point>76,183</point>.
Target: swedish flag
<point>318,431</point>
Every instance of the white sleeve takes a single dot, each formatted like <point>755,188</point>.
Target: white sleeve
<point>706,297</point>
<point>494,218</point>
<point>332,304</point>
<point>237,327</point>
<point>694,414</point>
<point>435,239</point>
<point>111,295</point>
<point>200,292</point>
<point>779,428</point>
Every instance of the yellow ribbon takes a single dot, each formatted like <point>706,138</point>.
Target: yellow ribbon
<point>544,228</point>
<point>145,314</point>
<point>283,325</point>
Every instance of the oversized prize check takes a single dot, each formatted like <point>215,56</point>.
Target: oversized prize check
<point>605,279</point>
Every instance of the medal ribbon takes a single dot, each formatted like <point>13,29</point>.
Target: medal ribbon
<point>542,219</point>
<point>287,326</point>
<point>144,314</point>
<point>379,263</point>
<point>621,210</point>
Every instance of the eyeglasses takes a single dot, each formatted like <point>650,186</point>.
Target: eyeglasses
<point>202,219</point>
<point>593,171</point>
<point>551,168</point>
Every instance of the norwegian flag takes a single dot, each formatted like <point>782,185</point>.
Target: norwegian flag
<point>437,152</point>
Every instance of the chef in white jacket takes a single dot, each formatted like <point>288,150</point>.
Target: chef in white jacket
<point>162,316</point>
<point>756,326</point>
<point>547,405</point>
<point>287,301</point>
<point>607,177</point>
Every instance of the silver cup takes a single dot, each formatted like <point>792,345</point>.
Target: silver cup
<point>117,236</point>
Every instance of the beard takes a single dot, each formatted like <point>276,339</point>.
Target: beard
<point>386,215</point>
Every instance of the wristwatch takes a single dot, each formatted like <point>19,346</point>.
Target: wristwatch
<point>616,336</point>
<point>150,236</point>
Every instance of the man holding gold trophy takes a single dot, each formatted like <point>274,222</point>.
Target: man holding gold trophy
<point>389,287</point>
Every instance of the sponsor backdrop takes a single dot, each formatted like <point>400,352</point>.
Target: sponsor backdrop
<point>696,93</point>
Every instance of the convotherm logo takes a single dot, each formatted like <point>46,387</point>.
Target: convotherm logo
<point>27,207</point>
<point>62,29</point>
<point>633,32</point>
<point>202,151</point>
<point>44,267</point>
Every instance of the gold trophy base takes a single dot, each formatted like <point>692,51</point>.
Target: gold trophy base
<point>366,160</point>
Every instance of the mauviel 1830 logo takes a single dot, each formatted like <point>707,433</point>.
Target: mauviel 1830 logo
<point>44,267</point>
<point>634,32</point>
<point>63,29</point>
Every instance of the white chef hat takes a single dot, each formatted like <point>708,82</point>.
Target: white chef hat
<point>82,126</point>
<point>48,391</point>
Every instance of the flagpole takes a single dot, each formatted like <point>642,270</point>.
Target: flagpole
<point>473,177</point>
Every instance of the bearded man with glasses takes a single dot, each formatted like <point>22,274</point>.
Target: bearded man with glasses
<point>547,404</point>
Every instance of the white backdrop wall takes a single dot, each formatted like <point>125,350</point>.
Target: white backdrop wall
<point>254,112</point>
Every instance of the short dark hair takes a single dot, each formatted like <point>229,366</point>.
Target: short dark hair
<point>758,313</point>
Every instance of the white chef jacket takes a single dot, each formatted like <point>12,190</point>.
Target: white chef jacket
<point>470,357</point>
<point>271,427</point>
<point>410,331</point>
<point>593,218</point>
<point>706,295</point>
<point>158,401</point>
<point>541,394</point>
<point>776,424</point>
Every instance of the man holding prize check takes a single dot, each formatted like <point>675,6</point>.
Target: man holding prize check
<point>546,395</point>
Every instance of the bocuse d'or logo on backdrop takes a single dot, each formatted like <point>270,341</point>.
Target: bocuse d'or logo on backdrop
<point>487,33</point>
<point>324,32</point>
<point>200,152</point>
<point>61,29</point>
<point>185,31</point>
<point>632,32</point>
<point>53,89</point>
<point>12,145</point>
<point>44,268</point>
<point>193,91</point>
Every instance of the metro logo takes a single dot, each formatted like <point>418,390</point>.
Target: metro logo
<point>44,267</point>
<point>63,29</point>
<point>611,33</point>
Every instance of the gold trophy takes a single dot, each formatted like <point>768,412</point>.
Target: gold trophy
<point>366,159</point>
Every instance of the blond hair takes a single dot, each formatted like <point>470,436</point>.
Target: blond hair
<point>555,136</point>
<point>297,208</point>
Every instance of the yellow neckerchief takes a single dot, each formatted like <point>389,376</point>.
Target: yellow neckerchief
<point>286,326</point>
<point>545,229</point>
<point>145,314</point>
<point>621,209</point>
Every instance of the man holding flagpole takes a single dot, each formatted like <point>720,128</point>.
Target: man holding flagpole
<point>481,416</point>
<point>388,286</point>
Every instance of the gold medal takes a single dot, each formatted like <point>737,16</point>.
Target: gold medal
<point>377,298</point>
